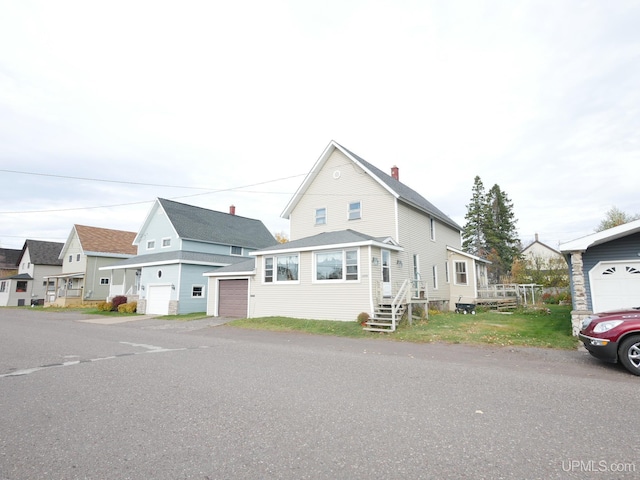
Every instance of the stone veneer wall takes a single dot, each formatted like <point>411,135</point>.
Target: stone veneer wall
<point>579,294</point>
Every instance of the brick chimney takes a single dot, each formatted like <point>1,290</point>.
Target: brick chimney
<point>395,173</point>
<point>232,210</point>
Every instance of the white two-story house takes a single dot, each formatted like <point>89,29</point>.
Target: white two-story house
<point>360,238</point>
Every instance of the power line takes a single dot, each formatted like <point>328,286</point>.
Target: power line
<point>148,201</point>
<point>69,177</point>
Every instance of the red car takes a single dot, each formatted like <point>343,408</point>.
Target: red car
<point>614,337</point>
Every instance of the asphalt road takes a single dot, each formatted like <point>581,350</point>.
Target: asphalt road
<point>152,399</point>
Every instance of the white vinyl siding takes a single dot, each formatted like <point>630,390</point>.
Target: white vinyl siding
<point>415,238</point>
<point>334,194</point>
<point>328,300</point>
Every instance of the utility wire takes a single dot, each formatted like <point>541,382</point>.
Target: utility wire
<point>133,183</point>
<point>144,201</point>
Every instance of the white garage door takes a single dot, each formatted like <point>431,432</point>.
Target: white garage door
<point>158,299</point>
<point>615,285</point>
<point>233,298</point>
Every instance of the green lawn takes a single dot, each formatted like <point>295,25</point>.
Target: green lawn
<point>522,328</point>
<point>532,328</point>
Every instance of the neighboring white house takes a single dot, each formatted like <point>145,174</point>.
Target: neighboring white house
<point>605,271</point>
<point>38,260</point>
<point>359,237</point>
<point>539,253</point>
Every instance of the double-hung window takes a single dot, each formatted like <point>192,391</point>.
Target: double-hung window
<point>197,291</point>
<point>321,216</point>
<point>355,210</point>
<point>339,265</point>
<point>281,268</point>
<point>461,273</point>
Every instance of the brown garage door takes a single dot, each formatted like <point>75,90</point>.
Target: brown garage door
<point>233,298</point>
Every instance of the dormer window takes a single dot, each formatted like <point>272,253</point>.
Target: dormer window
<point>236,251</point>
<point>321,216</point>
<point>355,211</point>
<point>166,242</point>
<point>151,244</point>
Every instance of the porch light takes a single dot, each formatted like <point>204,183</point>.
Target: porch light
<point>374,261</point>
<point>399,263</point>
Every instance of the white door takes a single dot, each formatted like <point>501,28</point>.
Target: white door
<point>615,285</point>
<point>158,299</point>
<point>386,273</point>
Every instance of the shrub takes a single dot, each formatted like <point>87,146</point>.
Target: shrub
<point>117,301</point>
<point>129,307</point>
<point>363,317</point>
<point>105,306</point>
<point>562,298</point>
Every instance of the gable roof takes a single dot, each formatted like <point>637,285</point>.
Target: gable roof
<point>43,253</point>
<point>468,255</point>
<point>96,240</point>
<point>583,243</point>
<point>9,258</point>
<point>543,245</point>
<point>398,189</point>
<point>210,226</point>
<point>337,239</point>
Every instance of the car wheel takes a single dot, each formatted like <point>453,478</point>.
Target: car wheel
<point>629,354</point>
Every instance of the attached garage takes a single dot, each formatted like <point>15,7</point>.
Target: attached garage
<point>615,285</point>
<point>158,298</point>
<point>233,298</point>
<point>605,271</point>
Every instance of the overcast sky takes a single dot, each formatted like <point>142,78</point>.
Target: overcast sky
<point>214,103</point>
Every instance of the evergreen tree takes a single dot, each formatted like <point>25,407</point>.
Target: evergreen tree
<point>500,232</point>
<point>490,231</point>
<point>473,232</point>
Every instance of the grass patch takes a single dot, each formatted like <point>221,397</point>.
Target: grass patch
<point>528,328</point>
<point>95,311</point>
<point>316,327</point>
<point>186,317</point>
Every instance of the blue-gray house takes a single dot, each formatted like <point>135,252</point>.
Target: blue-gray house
<point>604,269</point>
<point>176,244</point>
